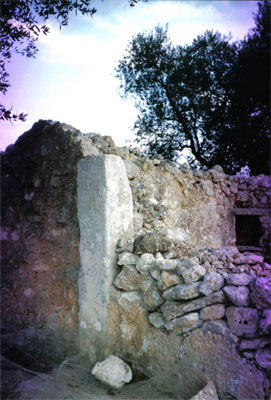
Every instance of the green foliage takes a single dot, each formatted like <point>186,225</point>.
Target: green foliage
<point>194,97</point>
<point>250,117</point>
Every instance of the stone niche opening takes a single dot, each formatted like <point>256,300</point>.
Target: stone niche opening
<point>248,230</point>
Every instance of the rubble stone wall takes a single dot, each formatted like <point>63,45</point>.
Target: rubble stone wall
<point>219,295</point>
<point>184,232</point>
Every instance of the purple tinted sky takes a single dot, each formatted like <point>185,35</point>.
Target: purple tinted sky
<point>72,78</point>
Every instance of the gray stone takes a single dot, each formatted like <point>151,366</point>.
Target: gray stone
<point>138,221</point>
<point>105,214</point>
<point>156,319</point>
<point>152,298</point>
<point>190,270</point>
<point>131,169</point>
<point>184,324</point>
<point>248,258</point>
<point>168,265</point>
<point>182,292</point>
<point>174,310</point>
<point>265,322</point>
<point>211,283</point>
<point>242,320</point>
<point>127,259</point>
<point>128,279</point>
<point>113,372</point>
<point>238,295</point>
<point>145,263</point>
<point>151,242</point>
<point>238,279</point>
<point>146,282</point>
<point>254,344</point>
<point>155,272</point>
<point>178,235</point>
<point>233,376</point>
<point>216,311</point>
<point>207,393</point>
<point>263,358</point>
<point>168,279</point>
<point>125,245</point>
<point>261,292</point>
<point>220,327</point>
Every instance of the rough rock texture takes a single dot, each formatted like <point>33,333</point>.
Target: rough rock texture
<point>113,371</point>
<point>105,214</point>
<point>242,320</point>
<point>40,234</point>
<point>135,339</point>
<point>207,393</point>
<point>238,295</point>
<point>231,374</point>
<point>261,292</point>
<point>184,223</point>
<point>211,283</point>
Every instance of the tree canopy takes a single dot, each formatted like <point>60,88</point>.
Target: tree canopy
<point>205,97</point>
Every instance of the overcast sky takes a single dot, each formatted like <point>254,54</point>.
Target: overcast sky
<point>72,78</point>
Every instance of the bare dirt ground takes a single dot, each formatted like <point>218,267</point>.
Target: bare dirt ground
<point>72,380</point>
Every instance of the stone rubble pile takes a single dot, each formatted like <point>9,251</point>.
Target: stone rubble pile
<point>216,290</point>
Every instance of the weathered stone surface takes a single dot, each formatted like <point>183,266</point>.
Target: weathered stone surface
<point>184,324</point>
<point>249,258</point>
<point>211,283</point>
<point>131,169</point>
<point>125,245</point>
<point>145,263</point>
<point>263,358</point>
<point>152,298</point>
<point>135,339</point>
<point>168,279</point>
<point>127,258</point>
<point>173,310</point>
<point>231,374</point>
<point>238,295</point>
<point>156,319</point>
<point>242,320</point>
<point>254,344</point>
<point>265,322</point>
<point>113,371</point>
<point>151,243</point>
<point>178,235</point>
<point>128,279</point>
<point>182,291</point>
<point>190,270</point>
<point>207,393</point>
<point>238,279</point>
<point>220,327</point>
<point>216,311</point>
<point>168,265</point>
<point>261,292</point>
<point>105,214</point>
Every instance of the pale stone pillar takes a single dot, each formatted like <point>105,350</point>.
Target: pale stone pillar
<point>105,213</point>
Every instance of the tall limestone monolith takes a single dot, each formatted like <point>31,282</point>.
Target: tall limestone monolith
<point>105,213</point>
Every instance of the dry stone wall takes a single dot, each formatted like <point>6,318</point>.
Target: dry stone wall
<point>177,287</point>
<point>209,291</point>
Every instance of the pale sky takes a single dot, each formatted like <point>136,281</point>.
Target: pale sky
<point>72,78</point>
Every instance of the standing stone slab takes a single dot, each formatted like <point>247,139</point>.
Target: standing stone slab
<point>105,213</point>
